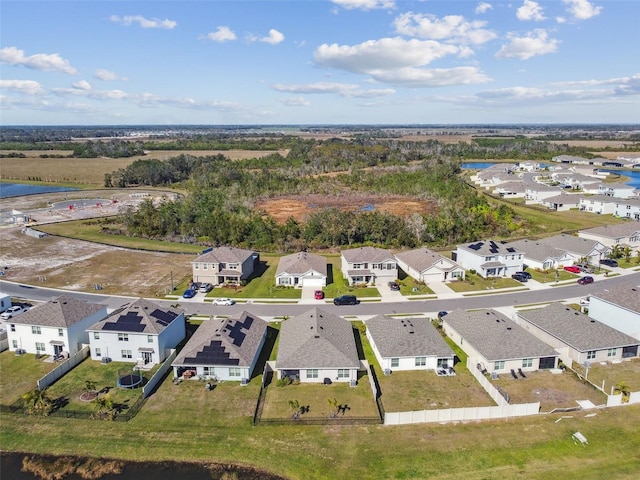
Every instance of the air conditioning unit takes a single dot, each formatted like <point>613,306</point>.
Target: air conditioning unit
<point>353,383</point>
<point>387,371</point>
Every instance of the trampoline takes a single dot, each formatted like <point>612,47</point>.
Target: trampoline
<point>131,380</point>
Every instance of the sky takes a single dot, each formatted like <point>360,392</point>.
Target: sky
<point>310,62</point>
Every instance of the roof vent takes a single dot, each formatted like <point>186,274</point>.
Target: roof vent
<point>508,328</point>
<point>316,336</point>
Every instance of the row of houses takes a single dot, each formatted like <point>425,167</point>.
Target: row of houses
<point>622,162</point>
<point>320,347</point>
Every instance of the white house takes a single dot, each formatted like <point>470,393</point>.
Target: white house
<point>140,332</point>
<point>541,255</point>
<point>223,349</point>
<point>224,265</point>
<point>627,233</point>
<point>317,347</point>
<point>496,344</point>
<point>369,265</point>
<point>578,248</point>
<point>5,302</point>
<point>619,308</point>
<point>511,189</point>
<point>488,258</point>
<point>407,344</point>
<point>629,208</point>
<point>56,328</point>
<point>576,336</point>
<point>600,204</point>
<point>536,192</point>
<point>562,203</point>
<point>302,269</point>
<point>427,266</point>
<point>619,190</point>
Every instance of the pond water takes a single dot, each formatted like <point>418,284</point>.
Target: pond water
<point>20,189</point>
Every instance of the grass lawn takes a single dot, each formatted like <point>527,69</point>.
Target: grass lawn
<point>612,374</point>
<point>631,263</point>
<point>546,276</point>
<point>337,285</point>
<point>474,282</point>
<point>19,374</point>
<point>409,286</point>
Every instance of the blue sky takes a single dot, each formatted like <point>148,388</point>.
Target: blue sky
<point>319,62</point>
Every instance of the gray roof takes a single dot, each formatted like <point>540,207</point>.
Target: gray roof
<point>496,337</point>
<point>563,198</point>
<point>148,318</point>
<point>61,312</point>
<point>302,262</point>
<point>227,342</point>
<point>489,247</point>
<point>601,198</point>
<point>571,243</point>
<point>576,329</point>
<point>614,231</point>
<point>367,254</point>
<point>317,339</point>
<point>513,186</point>
<point>225,255</point>
<point>542,187</point>
<point>536,249</point>
<point>623,296</point>
<point>421,259</point>
<point>629,201</point>
<point>407,337</point>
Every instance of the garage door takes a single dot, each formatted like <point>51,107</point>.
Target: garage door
<point>312,282</point>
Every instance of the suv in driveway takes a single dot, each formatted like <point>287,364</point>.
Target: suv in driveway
<point>519,277</point>
<point>345,300</point>
<point>394,286</point>
<point>526,275</point>
<point>205,287</point>
<point>13,311</point>
<point>609,262</point>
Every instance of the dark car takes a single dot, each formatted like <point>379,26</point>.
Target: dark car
<point>520,277</point>
<point>345,300</point>
<point>442,314</point>
<point>585,280</point>
<point>609,262</point>
<point>394,286</point>
<point>189,293</point>
<point>527,275</point>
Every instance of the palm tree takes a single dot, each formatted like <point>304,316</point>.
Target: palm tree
<point>334,407</point>
<point>295,407</point>
<point>37,402</point>
<point>104,406</point>
<point>623,389</point>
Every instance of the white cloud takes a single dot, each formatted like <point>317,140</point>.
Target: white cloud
<point>106,75</point>
<point>82,85</point>
<point>365,4</point>
<point>222,34</point>
<point>144,22</point>
<point>582,9</point>
<point>274,37</point>
<point>530,10</point>
<point>451,27</point>
<point>40,61</point>
<point>342,89</point>
<point>561,20</point>
<point>294,101</point>
<point>25,87</point>
<point>438,77</point>
<point>535,43</point>
<point>483,7</point>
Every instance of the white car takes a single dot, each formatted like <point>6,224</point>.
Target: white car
<point>205,288</point>
<point>223,301</point>
<point>13,311</point>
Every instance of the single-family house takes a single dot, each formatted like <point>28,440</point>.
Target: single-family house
<point>536,192</point>
<point>427,266</point>
<point>627,233</point>
<point>576,336</point>
<point>140,331</point>
<point>570,159</point>
<point>58,327</point>
<point>223,349</point>
<point>619,190</point>
<point>619,308</point>
<point>576,181</point>
<point>541,255</point>
<point>317,347</point>
<point>368,265</point>
<point>488,258</point>
<point>562,203</point>
<point>495,343</point>
<point>579,248</point>
<point>407,344</point>
<point>600,204</point>
<point>512,189</point>
<point>222,265</point>
<point>302,269</point>
<point>629,208</point>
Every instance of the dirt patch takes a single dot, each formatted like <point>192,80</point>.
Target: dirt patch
<point>299,207</point>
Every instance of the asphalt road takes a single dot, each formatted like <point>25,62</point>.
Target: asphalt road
<point>560,293</point>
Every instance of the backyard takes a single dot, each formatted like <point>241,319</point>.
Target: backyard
<point>609,375</point>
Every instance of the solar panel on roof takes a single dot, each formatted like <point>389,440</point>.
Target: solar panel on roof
<point>475,246</point>
<point>123,327</point>
<point>511,249</point>
<point>162,317</point>
<point>213,354</point>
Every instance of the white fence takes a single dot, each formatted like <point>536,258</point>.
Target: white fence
<point>159,375</point>
<point>63,368</point>
<point>486,384</point>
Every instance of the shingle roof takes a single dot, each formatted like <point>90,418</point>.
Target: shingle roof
<point>422,258</point>
<point>489,247</point>
<point>302,262</point>
<point>228,341</point>
<point>407,337</point>
<point>614,231</point>
<point>140,316</point>
<point>61,312</point>
<point>224,255</point>
<point>496,337</point>
<point>317,339</point>
<point>367,254</point>
<point>563,198</point>
<point>571,243</point>
<point>601,198</point>
<point>623,296</point>
<point>536,250</point>
<point>576,329</point>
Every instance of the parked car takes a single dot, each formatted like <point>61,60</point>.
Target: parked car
<point>13,311</point>
<point>585,267</point>
<point>318,294</point>
<point>442,314</point>
<point>609,262</point>
<point>189,293</point>
<point>205,287</point>
<point>394,286</point>
<point>572,269</point>
<point>520,277</point>
<point>585,280</point>
<point>527,275</point>
<point>345,300</point>
<point>223,301</point>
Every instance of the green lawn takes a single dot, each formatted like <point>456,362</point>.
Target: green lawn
<point>20,374</point>
<point>474,282</point>
<point>409,286</point>
<point>546,276</point>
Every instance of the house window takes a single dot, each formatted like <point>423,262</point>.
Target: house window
<point>443,363</point>
<point>60,332</point>
<point>343,373</point>
<point>234,371</point>
<point>233,266</point>
<point>126,354</point>
<point>98,353</point>
<point>196,266</point>
<point>612,352</point>
<point>123,337</point>
<point>421,361</point>
<point>96,335</point>
<point>357,266</point>
<point>13,327</point>
<point>14,343</point>
<point>499,365</point>
<point>527,363</point>
<point>313,373</point>
<point>395,362</point>
<point>208,371</point>
<point>204,266</point>
<point>591,354</point>
<point>149,338</point>
<point>285,281</point>
<point>39,346</point>
<point>36,330</point>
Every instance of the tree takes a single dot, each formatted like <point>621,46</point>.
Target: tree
<point>37,402</point>
<point>334,407</point>
<point>105,408</point>
<point>295,408</point>
<point>623,389</point>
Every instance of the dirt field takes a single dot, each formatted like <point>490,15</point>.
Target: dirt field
<point>298,207</point>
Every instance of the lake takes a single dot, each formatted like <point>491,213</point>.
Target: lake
<point>19,189</point>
